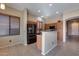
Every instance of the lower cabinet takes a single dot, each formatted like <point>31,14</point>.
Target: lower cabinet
<point>39,42</point>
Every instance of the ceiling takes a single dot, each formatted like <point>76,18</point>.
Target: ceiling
<point>45,9</point>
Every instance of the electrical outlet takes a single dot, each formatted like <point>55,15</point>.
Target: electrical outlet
<point>10,40</point>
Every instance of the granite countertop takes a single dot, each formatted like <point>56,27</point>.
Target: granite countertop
<point>45,31</point>
<point>48,30</point>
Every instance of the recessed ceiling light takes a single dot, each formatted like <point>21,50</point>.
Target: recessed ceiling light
<point>57,12</point>
<point>50,4</point>
<point>39,11</point>
<point>39,19</point>
<point>2,6</point>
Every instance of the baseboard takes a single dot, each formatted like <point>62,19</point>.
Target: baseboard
<point>25,44</point>
<point>48,50</point>
<point>11,45</point>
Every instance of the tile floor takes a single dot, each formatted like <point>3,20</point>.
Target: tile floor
<point>70,48</point>
<point>20,50</point>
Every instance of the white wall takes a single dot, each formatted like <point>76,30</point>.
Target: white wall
<point>70,14</point>
<point>4,41</point>
<point>16,39</point>
<point>75,28</point>
<point>11,11</point>
<point>49,41</point>
<point>24,27</point>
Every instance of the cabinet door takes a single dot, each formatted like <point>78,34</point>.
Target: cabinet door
<point>39,42</point>
<point>60,30</point>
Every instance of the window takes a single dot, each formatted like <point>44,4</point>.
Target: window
<point>9,25</point>
<point>14,26</point>
<point>4,25</point>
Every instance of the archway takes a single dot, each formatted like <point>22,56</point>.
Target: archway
<point>74,31</point>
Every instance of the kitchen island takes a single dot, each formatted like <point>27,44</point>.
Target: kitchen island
<point>46,41</point>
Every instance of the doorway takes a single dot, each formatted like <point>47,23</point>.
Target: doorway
<point>72,33</point>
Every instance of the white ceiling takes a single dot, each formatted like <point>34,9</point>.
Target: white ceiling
<point>45,9</point>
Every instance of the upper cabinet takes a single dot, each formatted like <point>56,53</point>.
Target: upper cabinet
<point>48,25</point>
